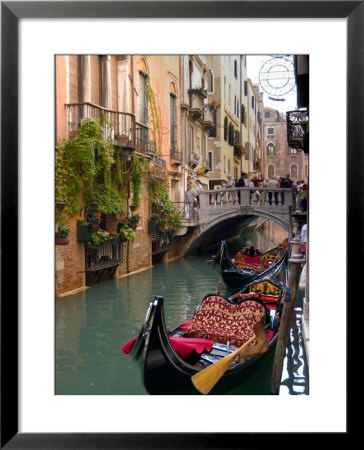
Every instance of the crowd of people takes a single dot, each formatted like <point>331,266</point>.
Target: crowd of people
<point>257,195</point>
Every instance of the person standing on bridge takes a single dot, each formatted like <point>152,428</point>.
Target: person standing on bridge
<point>199,188</point>
<point>242,182</point>
<point>273,183</point>
<point>231,184</point>
<point>189,201</point>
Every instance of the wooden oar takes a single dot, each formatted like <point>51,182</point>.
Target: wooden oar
<point>206,379</point>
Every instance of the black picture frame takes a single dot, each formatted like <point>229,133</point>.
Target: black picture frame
<point>11,12</point>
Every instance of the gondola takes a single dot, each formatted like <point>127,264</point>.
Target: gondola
<point>169,359</point>
<point>244,268</point>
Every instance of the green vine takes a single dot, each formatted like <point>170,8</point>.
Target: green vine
<point>161,202</point>
<point>138,169</point>
<point>156,127</point>
<point>84,172</point>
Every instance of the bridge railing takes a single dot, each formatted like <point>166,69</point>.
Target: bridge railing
<point>270,197</point>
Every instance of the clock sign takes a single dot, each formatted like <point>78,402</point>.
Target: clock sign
<point>276,76</point>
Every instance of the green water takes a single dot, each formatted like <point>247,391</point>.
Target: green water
<point>92,326</point>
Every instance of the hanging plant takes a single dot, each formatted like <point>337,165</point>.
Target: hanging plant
<point>155,128</point>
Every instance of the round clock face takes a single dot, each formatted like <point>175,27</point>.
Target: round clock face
<point>276,76</point>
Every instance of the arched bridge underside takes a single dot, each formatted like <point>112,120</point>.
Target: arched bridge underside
<point>223,219</point>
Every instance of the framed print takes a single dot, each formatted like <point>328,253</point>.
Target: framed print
<point>24,275</point>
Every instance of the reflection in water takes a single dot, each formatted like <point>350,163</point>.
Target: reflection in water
<point>92,326</point>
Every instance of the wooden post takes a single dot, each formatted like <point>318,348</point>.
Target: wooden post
<point>285,325</point>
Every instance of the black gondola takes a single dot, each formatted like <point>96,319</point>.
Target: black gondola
<point>166,370</point>
<point>238,273</point>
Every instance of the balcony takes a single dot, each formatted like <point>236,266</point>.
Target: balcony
<point>196,106</point>
<point>207,120</point>
<point>98,257</point>
<point>118,127</point>
<point>142,142</point>
<point>176,157</point>
<point>194,159</point>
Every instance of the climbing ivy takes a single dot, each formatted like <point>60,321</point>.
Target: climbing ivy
<point>84,172</point>
<point>155,123</point>
<point>161,202</point>
<point>138,170</point>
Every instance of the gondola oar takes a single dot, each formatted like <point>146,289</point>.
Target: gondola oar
<point>206,379</point>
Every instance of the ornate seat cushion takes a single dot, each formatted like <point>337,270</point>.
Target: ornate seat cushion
<point>252,260</point>
<point>221,321</point>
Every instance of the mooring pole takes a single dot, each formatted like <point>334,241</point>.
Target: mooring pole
<point>285,325</point>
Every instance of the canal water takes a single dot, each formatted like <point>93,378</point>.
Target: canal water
<point>93,325</point>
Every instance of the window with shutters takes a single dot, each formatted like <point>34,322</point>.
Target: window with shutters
<point>225,129</point>
<point>143,98</point>
<point>210,160</point>
<point>173,122</point>
<point>243,115</point>
<point>236,69</point>
<point>211,81</point>
<point>213,130</point>
<point>190,140</point>
<point>245,88</point>
<point>270,171</point>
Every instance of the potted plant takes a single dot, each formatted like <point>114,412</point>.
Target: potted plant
<point>133,221</point>
<point>214,106</point>
<point>199,91</point>
<point>126,233</point>
<point>99,237</point>
<point>83,230</point>
<point>62,235</point>
<point>122,139</point>
<point>95,221</point>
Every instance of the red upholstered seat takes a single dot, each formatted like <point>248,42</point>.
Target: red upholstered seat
<point>222,322</point>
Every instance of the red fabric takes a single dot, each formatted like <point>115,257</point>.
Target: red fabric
<point>252,260</point>
<point>303,248</point>
<point>270,334</point>
<point>184,325</point>
<point>222,322</point>
<point>127,347</point>
<point>183,346</point>
<point>268,298</point>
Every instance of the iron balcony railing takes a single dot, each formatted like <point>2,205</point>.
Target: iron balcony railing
<point>104,255</point>
<point>143,143</point>
<point>119,127</point>
<point>188,210</point>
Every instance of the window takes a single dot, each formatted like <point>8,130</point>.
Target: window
<point>271,149</point>
<point>245,88</point>
<point>292,151</point>
<point>173,122</point>
<point>213,129</point>
<point>190,139</point>
<point>243,117</point>
<point>211,81</point>
<point>270,130</point>
<point>253,103</point>
<point>270,171</point>
<point>225,129</point>
<point>236,69</point>
<point>210,160</point>
<point>294,171</point>
<point>143,98</point>
<point>267,114</point>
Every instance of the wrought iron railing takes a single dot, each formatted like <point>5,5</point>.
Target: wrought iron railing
<point>104,255</point>
<point>188,210</point>
<point>117,126</point>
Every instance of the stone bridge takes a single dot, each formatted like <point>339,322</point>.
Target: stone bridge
<point>229,209</point>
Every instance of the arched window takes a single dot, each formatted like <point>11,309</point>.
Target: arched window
<point>270,171</point>
<point>271,149</point>
<point>293,171</point>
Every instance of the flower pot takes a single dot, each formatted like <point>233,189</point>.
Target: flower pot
<point>83,233</point>
<point>134,226</point>
<point>122,140</point>
<point>94,227</point>
<point>152,226</point>
<point>62,240</point>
